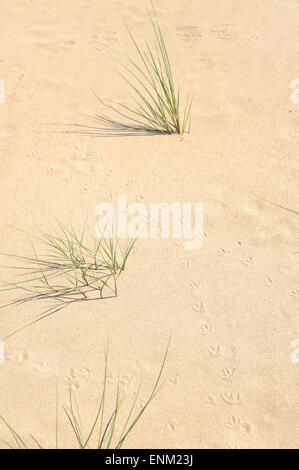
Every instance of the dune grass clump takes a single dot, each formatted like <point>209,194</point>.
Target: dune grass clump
<point>102,432</point>
<point>157,99</point>
<point>71,271</point>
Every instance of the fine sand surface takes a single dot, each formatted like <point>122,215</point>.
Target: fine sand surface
<point>232,306</point>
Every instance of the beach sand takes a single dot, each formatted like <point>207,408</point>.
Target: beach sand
<point>231,306</point>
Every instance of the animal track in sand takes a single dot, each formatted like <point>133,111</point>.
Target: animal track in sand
<point>111,377</point>
<point>248,262</point>
<point>185,264</point>
<point>268,282</point>
<point>68,43</point>
<point>206,327</point>
<point>199,307</point>
<point>214,351</point>
<point>222,252</point>
<point>205,323</point>
<point>232,398</point>
<point>174,380</point>
<point>228,374</point>
<point>34,154</point>
<point>84,160</point>
<point>67,179</point>
<point>106,172</point>
<point>222,351</point>
<point>171,427</point>
<point>108,197</point>
<point>295,294</point>
<point>39,365</point>
<point>46,37</point>
<point>139,198</point>
<point>239,425</point>
<point>77,377</point>
<point>194,284</point>
<point>188,33</point>
<point>224,31</point>
<point>130,180</point>
<point>21,356</point>
<point>108,38</point>
<point>211,400</point>
<point>125,380</point>
<point>196,295</point>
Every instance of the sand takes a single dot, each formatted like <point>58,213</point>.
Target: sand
<point>232,306</point>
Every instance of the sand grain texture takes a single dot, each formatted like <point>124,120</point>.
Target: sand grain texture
<point>232,306</point>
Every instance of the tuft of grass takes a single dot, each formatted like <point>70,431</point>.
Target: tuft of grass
<point>71,271</point>
<point>157,99</point>
<point>102,432</point>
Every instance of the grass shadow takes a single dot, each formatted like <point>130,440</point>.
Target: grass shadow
<point>122,124</point>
